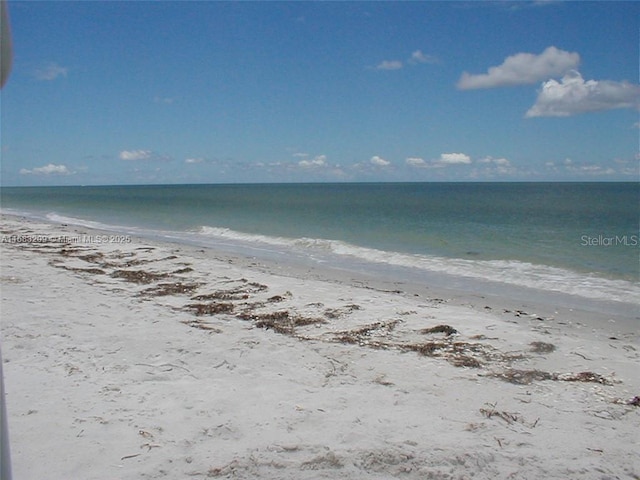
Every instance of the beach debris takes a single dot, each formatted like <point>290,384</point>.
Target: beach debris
<point>281,322</point>
<point>340,312</point>
<point>526,377</point>
<point>504,415</point>
<point>210,308</point>
<point>138,276</point>
<point>459,354</point>
<point>363,335</point>
<point>93,271</point>
<point>173,288</point>
<point>130,456</point>
<point>242,292</point>
<point>183,270</point>
<point>542,347</point>
<point>446,329</point>
<point>635,401</point>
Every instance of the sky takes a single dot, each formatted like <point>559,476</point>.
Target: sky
<point>162,92</point>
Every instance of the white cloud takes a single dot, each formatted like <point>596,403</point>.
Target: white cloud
<point>379,161</point>
<point>50,71</point>
<point>49,169</point>
<point>193,160</point>
<point>444,160</point>
<point>523,68</point>
<point>496,161</point>
<point>133,155</point>
<point>389,65</point>
<point>500,166</point>
<point>454,159</point>
<point>317,161</point>
<point>419,57</point>
<point>416,162</point>
<point>573,95</point>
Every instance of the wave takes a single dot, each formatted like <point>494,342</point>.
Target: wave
<point>345,255</point>
<point>523,274</point>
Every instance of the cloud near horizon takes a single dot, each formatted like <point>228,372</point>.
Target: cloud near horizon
<point>317,161</point>
<point>523,69</point>
<point>379,161</point>
<point>453,159</point>
<point>49,169</point>
<point>132,155</point>
<point>572,95</point>
<point>444,160</point>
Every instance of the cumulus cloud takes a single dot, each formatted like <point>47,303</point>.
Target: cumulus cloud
<point>496,165</point>
<point>496,161</point>
<point>193,160</point>
<point>389,65</point>
<point>49,169</point>
<point>416,162</point>
<point>453,159</point>
<point>317,161</point>
<point>50,71</point>
<point>132,155</point>
<point>444,160</point>
<point>522,69</point>
<point>379,161</point>
<point>573,95</point>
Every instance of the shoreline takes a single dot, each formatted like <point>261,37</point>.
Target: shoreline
<point>161,359</point>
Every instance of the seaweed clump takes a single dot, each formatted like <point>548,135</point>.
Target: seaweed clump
<point>526,377</point>
<point>448,330</point>
<point>138,276</point>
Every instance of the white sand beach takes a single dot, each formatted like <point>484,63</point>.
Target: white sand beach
<point>126,358</point>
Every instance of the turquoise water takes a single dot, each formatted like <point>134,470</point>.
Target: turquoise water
<point>548,234</point>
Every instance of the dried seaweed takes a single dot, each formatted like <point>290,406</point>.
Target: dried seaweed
<point>523,377</point>
<point>588,377</point>
<point>236,294</point>
<point>210,308</point>
<point>138,276</point>
<point>94,271</point>
<point>526,377</point>
<point>459,354</point>
<point>164,289</point>
<point>276,299</point>
<point>280,322</point>
<point>183,270</point>
<point>362,335</point>
<point>446,329</point>
<point>542,347</point>
<point>92,257</point>
<point>340,312</point>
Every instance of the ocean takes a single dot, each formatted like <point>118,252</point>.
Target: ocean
<point>575,238</point>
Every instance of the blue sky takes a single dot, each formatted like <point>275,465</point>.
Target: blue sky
<point>214,92</point>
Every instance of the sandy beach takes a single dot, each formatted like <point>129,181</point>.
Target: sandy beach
<point>126,358</point>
